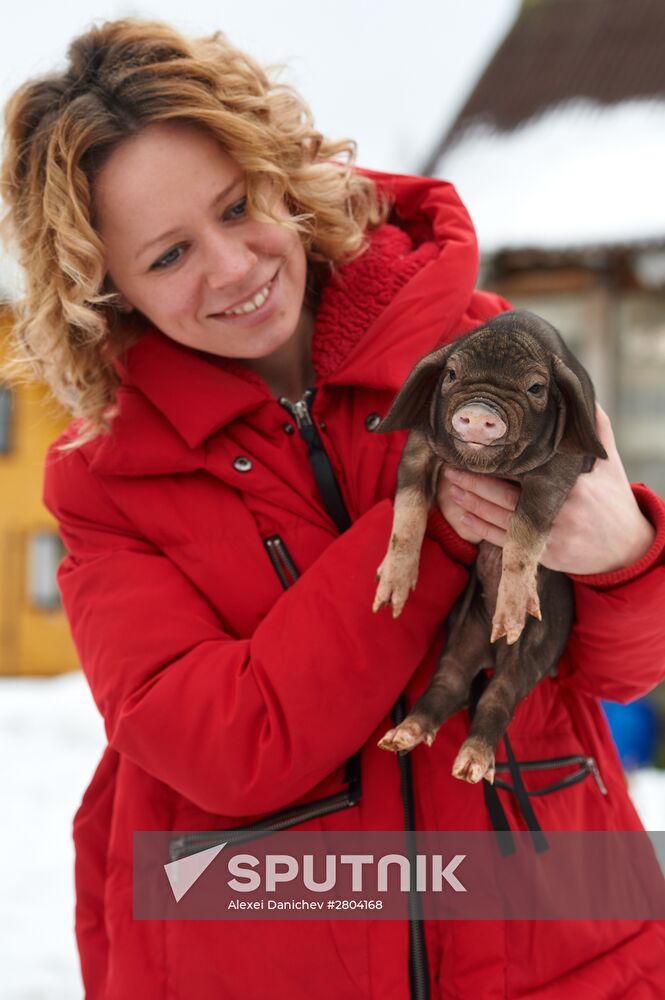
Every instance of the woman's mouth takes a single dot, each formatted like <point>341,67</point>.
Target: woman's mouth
<point>254,308</point>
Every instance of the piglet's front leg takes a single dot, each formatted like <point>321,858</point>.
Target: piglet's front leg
<point>518,590</point>
<point>416,479</point>
<point>542,496</point>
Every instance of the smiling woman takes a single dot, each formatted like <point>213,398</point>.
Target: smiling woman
<point>218,279</point>
<point>227,307</point>
<point>252,205</point>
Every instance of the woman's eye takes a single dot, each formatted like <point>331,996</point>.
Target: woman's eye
<point>237,210</point>
<point>172,257</point>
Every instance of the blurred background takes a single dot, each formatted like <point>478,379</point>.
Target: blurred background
<point>549,117</point>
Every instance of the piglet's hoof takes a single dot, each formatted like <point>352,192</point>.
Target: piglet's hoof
<point>474,761</point>
<point>397,576</point>
<point>406,736</point>
<point>510,628</point>
<point>512,606</point>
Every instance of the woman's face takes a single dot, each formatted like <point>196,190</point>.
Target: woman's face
<point>170,208</point>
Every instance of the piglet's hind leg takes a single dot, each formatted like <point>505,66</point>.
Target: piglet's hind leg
<point>511,681</point>
<point>467,650</point>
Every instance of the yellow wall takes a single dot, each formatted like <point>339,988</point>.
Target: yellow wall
<point>32,640</point>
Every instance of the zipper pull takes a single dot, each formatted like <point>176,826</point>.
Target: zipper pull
<point>281,559</point>
<point>593,767</point>
<point>300,412</point>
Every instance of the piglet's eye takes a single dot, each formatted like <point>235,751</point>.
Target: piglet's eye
<point>536,389</point>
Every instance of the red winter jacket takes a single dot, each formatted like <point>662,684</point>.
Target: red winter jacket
<point>226,698</point>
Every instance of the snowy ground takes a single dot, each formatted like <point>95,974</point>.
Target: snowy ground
<point>51,738</point>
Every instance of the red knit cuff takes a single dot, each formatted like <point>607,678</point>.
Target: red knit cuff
<point>455,546</point>
<point>653,509</point>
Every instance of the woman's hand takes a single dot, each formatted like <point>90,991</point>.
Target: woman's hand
<point>600,528</point>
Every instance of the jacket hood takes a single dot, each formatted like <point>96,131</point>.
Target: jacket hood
<point>430,243</point>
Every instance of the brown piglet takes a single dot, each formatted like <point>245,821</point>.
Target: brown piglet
<point>509,400</point>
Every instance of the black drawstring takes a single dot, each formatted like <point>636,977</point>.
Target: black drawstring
<point>418,970</point>
<point>495,808</point>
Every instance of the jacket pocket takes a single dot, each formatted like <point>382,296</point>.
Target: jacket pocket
<point>569,770</point>
<point>192,843</point>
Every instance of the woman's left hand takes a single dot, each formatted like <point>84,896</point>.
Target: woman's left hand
<point>600,527</point>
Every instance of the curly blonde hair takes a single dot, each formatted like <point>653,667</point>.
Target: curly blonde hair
<point>59,131</point>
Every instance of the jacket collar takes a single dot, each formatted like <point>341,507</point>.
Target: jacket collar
<point>169,387</point>
<point>195,396</point>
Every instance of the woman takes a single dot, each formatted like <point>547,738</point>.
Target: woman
<point>227,311</point>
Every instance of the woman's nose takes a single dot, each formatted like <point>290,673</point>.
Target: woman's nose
<point>228,260</point>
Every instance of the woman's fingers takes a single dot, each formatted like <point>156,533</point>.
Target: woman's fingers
<point>484,510</point>
<point>484,531</point>
<point>600,527</point>
<point>477,517</point>
<point>604,430</point>
<point>497,491</point>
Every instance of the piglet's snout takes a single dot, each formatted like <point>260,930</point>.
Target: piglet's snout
<point>478,424</point>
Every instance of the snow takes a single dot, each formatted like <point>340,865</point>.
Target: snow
<point>51,738</point>
<point>647,790</point>
<point>579,175</point>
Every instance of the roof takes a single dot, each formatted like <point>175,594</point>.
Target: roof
<point>604,50</point>
<point>578,176</point>
<point>561,143</point>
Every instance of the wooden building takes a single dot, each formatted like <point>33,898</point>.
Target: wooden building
<point>559,155</point>
<point>34,634</point>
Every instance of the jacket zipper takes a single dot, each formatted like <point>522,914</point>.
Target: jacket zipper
<point>281,560</point>
<point>589,766</point>
<point>192,843</point>
<point>595,770</point>
<point>324,474</point>
<point>419,985</point>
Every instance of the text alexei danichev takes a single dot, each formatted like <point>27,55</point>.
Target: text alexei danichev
<point>276,904</point>
<point>305,904</point>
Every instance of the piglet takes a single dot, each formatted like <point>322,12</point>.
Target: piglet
<point>510,400</point>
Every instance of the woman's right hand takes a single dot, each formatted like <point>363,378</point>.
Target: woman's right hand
<point>477,507</point>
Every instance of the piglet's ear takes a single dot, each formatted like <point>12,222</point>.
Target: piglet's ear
<point>411,405</point>
<point>576,423</point>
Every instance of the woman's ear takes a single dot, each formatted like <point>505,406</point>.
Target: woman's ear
<point>120,304</point>
<point>124,305</point>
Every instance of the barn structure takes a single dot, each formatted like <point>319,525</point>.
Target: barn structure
<point>559,155</point>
